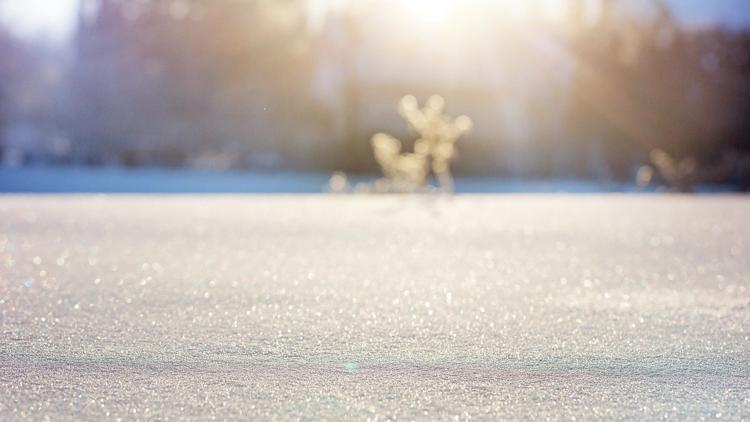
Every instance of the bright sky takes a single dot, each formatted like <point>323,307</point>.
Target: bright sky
<point>735,13</point>
<point>55,18</point>
<point>48,18</point>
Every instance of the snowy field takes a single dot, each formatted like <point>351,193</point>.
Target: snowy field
<point>122,180</point>
<point>331,307</point>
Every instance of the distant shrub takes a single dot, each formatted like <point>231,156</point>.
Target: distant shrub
<point>434,150</point>
<point>683,175</point>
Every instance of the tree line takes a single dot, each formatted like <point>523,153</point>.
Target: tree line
<point>227,84</point>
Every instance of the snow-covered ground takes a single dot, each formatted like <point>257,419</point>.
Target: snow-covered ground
<point>432,307</point>
<point>121,180</point>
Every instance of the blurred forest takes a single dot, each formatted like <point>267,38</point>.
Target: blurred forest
<point>283,84</point>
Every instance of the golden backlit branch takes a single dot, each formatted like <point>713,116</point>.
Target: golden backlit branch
<point>433,151</point>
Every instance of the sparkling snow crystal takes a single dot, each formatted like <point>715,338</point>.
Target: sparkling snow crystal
<point>356,307</point>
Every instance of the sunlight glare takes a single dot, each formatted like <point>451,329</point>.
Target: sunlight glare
<point>433,11</point>
<point>53,18</point>
<point>554,10</point>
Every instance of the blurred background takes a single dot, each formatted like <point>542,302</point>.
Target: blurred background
<point>557,89</point>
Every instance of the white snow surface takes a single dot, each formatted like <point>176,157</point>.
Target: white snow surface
<point>382,307</point>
